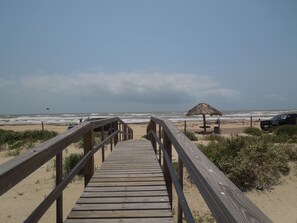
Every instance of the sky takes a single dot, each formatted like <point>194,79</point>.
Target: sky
<point>148,55</point>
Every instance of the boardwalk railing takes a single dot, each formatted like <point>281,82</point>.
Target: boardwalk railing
<point>17,169</point>
<point>226,202</point>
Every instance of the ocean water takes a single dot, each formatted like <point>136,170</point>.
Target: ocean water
<point>133,117</point>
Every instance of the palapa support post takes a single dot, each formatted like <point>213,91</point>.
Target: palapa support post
<point>204,123</point>
<point>185,126</point>
<point>89,166</point>
<point>168,180</point>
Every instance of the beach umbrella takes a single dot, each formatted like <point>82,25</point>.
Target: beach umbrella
<point>203,109</point>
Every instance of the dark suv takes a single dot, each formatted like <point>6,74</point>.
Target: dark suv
<point>283,119</point>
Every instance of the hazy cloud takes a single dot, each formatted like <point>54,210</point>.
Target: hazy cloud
<point>136,87</point>
<point>276,98</point>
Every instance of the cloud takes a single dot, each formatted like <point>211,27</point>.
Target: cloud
<point>228,94</point>
<point>276,98</point>
<point>153,88</point>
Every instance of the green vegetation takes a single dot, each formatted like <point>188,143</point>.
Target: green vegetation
<point>213,137</point>
<point>175,167</point>
<point>286,133</point>
<point>70,161</point>
<point>251,162</point>
<point>203,218</point>
<point>97,139</point>
<point>253,131</point>
<point>191,136</point>
<point>14,141</point>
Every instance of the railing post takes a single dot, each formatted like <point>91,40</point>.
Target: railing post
<point>148,129</point>
<point>103,147</point>
<point>120,129</point>
<point>180,179</point>
<point>125,132</point>
<point>112,127</point>
<point>168,180</point>
<point>116,128</point>
<point>153,140</point>
<point>59,178</point>
<point>89,166</point>
<point>160,151</point>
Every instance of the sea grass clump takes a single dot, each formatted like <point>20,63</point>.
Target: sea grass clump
<point>250,162</point>
<point>14,141</point>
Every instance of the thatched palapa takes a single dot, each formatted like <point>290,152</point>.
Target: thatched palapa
<point>203,109</point>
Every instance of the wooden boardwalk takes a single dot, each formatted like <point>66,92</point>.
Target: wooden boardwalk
<point>128,187</point>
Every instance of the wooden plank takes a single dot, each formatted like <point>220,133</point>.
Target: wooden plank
<point>122,220</point>
<point>128,187</point>
<point>140,188</point>
<point>94,200</point>
<point>120,214</point>
<point>134,175</point>
<point>127,179</point>
<point>125,194</point>
<point>122,206</point>
<point>123,184</point>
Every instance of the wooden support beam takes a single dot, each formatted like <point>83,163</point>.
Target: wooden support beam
<point>59,177</point>
<point>89,167</point>
<point>168,180</point>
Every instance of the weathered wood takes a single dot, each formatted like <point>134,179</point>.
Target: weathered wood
<point>178,188</point>
<point>127,179</point>
<point>226,202</point>
<point>160,151</point>
<point>59,177</point>
<point>181,183</point>
<point>124,184</point>
<point>103,147</point>
<point>125,193</point>
<point>138,188</point>
<point>122,220</point>
<point>18,168</point>
<point>121,206</point>
<point>154,128</point>
<point>120,214</point>
<point>168,180</point>
<point>128,194</point>
<point>115,200</point>
<point>89,166</point>
<point>116,138</point>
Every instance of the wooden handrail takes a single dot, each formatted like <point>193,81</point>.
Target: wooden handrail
<point>18,168</point>
<point>182,200</point>
<point>226,202</point>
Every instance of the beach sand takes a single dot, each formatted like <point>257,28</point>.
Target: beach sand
<point>279,204</point>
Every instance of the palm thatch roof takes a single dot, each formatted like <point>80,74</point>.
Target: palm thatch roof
<point>203,109</point>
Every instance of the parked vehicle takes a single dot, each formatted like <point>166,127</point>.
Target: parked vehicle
<point>283,119</point>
